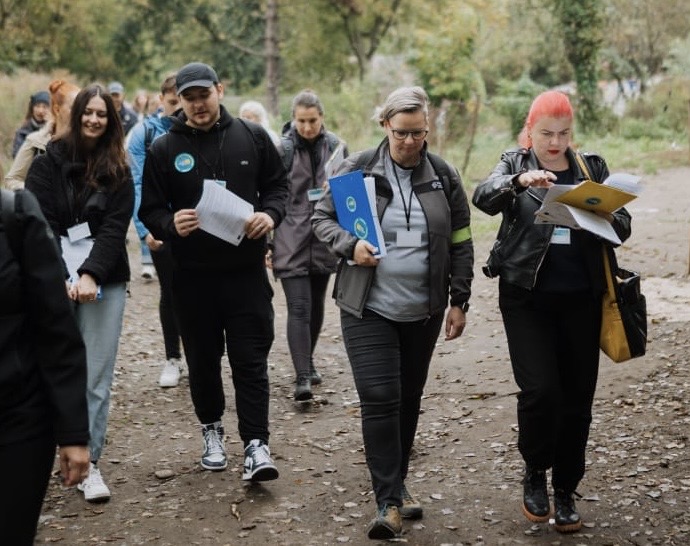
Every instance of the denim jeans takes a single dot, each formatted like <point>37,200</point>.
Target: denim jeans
<point>146,258</point>
<point>100,324</point>
<point>390,362</point>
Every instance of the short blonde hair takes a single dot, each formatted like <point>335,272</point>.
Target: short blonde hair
<point>403,99</point>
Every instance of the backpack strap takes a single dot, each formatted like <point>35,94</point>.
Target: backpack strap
<point>437,163</point>
<point>148,135</point>
<point>287,148</point>
<point>10,213</point>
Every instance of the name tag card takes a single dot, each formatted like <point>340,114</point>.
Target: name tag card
<point>314,194</point>
<point>560,236</point>
<point>411,238</point>
<point>78,232</point>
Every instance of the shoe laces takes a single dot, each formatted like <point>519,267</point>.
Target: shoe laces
<point>94,478</point>
<point>260,453</point>
<point>214,442</point>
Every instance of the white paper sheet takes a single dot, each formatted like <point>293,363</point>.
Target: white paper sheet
<point>223,213</point>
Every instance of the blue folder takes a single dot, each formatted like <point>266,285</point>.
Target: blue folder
<point>355,207</point>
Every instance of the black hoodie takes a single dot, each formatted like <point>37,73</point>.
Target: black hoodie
<point>240,153</point>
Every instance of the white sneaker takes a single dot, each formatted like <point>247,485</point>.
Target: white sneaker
<point>148,272</point>
<point>214,457</point>
<point>170,375</point>
<point>94,487</point>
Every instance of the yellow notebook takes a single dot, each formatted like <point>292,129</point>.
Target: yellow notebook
<point>589,195</point>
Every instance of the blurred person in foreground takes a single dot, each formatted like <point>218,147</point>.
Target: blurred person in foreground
<point>42,370</point>
<point>550,292</point>
<point>140,140</point>
<point>62,95</point>
<point>392,308</point>
<point>301,261</point>
<point>221,292</point>
<point>84,187</point>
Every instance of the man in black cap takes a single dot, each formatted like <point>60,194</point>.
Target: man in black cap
<point>36,116</point>
<point>128,117</point>
<point>221,291</point>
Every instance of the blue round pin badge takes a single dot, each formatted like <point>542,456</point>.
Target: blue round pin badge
<point>184,162</point>
<point>351,203</point>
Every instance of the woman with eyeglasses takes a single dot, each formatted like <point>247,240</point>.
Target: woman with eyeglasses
<point>392,309</point>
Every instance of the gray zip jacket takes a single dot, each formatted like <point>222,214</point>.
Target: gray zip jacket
<point>451,252</point>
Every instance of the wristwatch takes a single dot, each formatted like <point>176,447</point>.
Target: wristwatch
<point>464,306</point>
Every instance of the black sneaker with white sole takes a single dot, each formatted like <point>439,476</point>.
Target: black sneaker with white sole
<point>258,465</point>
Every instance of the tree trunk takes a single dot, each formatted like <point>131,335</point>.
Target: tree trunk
<point>272,57</point>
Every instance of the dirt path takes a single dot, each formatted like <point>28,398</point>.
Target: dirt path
<point>465,469</point>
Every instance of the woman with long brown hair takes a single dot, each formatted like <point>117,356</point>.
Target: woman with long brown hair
<point>84,187</point>
<point>62,95</point>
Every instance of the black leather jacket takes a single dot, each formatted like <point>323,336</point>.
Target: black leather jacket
<point>521,244</point>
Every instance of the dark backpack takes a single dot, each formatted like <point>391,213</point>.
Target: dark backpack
<point>10,214</point>
<point>439,165</point>
<point>287,148</point>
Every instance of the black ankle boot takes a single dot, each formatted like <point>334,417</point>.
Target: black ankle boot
<point>535,499</point>
<point>567,520</point>
<point>303,388</point>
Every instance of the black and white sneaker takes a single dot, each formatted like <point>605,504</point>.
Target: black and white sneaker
<point>214,457</point>
<point>258,465</point>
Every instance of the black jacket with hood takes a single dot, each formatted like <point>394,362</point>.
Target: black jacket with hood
<point>238,152</point>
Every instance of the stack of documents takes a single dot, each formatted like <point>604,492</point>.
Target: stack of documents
<point>576,206</point>
<point>354,198</point>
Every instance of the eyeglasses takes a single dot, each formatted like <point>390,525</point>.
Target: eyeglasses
<point>417,134</point>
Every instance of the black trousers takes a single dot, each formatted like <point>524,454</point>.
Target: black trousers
<point>163,262</point>
<point>390,362</point>
<point>22,492</point>
<point>553,339</point>
<point>305,297</point>
<point>233,311</point>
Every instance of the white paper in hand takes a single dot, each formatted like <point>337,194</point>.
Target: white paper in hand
<point>223,213</point>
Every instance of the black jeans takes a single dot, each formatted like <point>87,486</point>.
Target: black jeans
<point>390,361</point>
<point>305,308</point>
<point>233,310</point>
<point>22,492</point>
<point>163,262</point>
<point>553,339</point>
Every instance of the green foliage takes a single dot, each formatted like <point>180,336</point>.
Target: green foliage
<point>161,35</point>
<point>442,54</point>
<point>514,99</point>
<point>663,110</point>
<point>581,24</point>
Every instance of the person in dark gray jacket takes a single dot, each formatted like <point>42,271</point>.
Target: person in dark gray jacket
<point>303,263</point>
<point>392,309</point>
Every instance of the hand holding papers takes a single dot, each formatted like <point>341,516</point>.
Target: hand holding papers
<point>222,213</point>
<point>354,198</point>
<point>576,206</point>
<point>74,253</point>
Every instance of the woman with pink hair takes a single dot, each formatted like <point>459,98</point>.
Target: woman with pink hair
<point>550,291</point>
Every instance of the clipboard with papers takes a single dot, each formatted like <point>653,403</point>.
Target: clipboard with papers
<point>354,198</point>
<point>576,206</point>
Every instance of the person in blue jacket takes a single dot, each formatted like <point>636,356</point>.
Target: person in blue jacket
<point>155,250</point>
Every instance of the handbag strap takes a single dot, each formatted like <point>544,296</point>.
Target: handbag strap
<point>608,271</point>
<point>583,165</point>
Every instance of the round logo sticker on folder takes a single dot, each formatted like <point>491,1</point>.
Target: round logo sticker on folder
<point>184,162</point>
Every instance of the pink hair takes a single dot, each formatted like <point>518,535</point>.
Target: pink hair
<point>552,104</point>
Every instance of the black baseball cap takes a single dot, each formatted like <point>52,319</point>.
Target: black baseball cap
<point>195,75</point>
